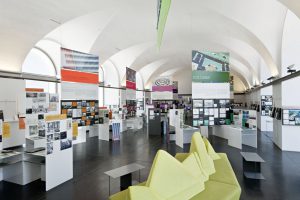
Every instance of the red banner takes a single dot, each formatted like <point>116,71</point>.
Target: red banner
<point>79,77</point>
<point>130,85</point>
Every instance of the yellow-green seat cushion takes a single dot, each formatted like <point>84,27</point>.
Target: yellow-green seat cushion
<point>224,172</point>
<point>122,195</point>
<point>171,179</point>
<point>142,192</point>
<point>218,191</point>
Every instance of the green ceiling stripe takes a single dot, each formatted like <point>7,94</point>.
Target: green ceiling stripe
<point>163,15</point>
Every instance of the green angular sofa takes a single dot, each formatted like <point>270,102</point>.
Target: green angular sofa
<point>199,174</point>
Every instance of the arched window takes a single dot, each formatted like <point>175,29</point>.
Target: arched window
<point>37,62</point>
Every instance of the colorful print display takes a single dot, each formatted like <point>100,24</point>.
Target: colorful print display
<point>209,112</point>
<point>84,112</point>
<point>210,67</point>
<point>79,67</point>
<point>291,117</point>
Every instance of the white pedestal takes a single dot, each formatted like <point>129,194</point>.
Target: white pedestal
<point>94,130</point>
<point>188,133</point>
<point>81,135</point>
<point>103,132</point>
<point>204,131</point>
<point>236,136</point>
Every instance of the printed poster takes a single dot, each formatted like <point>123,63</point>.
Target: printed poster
<point>6,130</point>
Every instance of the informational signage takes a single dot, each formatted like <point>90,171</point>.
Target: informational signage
<point>210,75</point>
<point>291,117</point>
<point>266,105</point>
<point>210,91</point>
<point>79,67</point>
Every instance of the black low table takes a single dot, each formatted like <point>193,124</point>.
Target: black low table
<point>125,174</point>
<point>252,165</point>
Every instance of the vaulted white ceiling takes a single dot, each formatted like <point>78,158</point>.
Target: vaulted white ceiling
<point>123,33</point>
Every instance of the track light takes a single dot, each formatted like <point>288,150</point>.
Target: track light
<point>291,69</point>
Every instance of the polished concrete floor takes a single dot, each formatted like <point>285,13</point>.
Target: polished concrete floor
<point>93,158</point>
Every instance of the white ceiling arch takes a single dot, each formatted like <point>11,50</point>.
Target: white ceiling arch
<point>110,28</point>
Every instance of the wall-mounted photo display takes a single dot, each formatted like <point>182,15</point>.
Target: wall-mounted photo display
<point>84,112</point>
<point>209,112</point>
<point>266,105</point>
<point>291,117</point>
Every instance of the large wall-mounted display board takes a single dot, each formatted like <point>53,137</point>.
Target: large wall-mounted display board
<point>209,112</point>
<point>210,75</point>
<point>79,67</point>
<point>83,112</point>
<point>291,117</point>
<point>266,105</point>
<point>79,75</point>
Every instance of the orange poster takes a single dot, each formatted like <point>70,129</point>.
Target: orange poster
<point>83,110</point>
<point>21,123</point>
<point>74,104</point>
<point>92,104</point>
<point>64,111</point>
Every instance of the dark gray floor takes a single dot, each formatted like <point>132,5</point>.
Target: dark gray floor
<point>91,159</point>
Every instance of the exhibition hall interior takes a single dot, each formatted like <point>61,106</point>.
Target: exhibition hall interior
<point>149,100</point>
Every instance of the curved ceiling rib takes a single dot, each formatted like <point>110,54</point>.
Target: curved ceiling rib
<point>113,31</point>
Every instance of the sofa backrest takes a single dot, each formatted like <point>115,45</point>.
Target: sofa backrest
<point>171,179</point>
<point>198,146</point>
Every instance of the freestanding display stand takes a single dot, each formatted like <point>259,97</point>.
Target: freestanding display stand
<point>154,126</point>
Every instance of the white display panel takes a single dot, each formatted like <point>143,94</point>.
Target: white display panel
<point>59,158</point>
<point>78,91</point>
<point>162,95</point>
<point>130,94</point>
<point>210,91</point>
<point>12,98</point>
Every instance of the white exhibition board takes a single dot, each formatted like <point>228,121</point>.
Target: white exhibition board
<point>179,127</point>
<point>130,94</point>
<point>59,153</point>
<point>12,98</point>
<point>162,95</point>
<point>210,91</point>
<point>78,91</point>
<point>172,117</point>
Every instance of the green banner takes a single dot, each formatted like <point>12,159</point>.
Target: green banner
<point>210,77</point>
<point>162,19</point>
